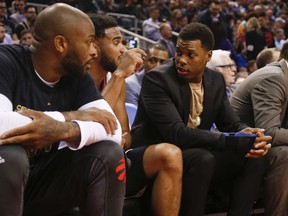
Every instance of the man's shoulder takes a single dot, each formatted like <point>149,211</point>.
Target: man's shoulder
<point>10,52</point>
<point>165,74</point>
<point>270,71</point>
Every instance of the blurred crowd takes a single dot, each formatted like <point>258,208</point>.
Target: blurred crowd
<point>243,27</point>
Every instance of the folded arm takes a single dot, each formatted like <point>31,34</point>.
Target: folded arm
<point>75,129</point>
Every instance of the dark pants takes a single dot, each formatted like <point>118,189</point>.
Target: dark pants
<point>276,190</point>
<point>92,178</point>
<point>14,168</point>
<point>204,169</point>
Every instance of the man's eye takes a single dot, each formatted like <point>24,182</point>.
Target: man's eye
<point>152,61</point>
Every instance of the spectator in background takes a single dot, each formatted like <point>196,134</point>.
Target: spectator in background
<point>175,14</point>
<point>19,15</point>
<point>151,25</point>
<point>221,41</point>
<point>26,37</point>
<point>212,14</point>
<point>30,13</point>
<point>270,18</point>
<point>251,66</point>
<point>267,56</point>
<point>230,27</point>
<point>240,40</point>
<point>142,10</point>
<point>109,6</point>
<point>156,55</point>
<point>279,38</point>
<point>240,77</point>
<point>129,8</point>
<point>268,34</point>
<point>258,9</point>
<point>221,61</point>
<point>255,39</point>
<point>166,36</point>
<point>280,23</point>
<point>164,11</point>
<point>8,24</point>
<point>182,21</point>
<point>4,37</point>
<point>191,11</point>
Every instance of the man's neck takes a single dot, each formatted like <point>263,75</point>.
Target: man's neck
<point>44,69</point>
<point>98,73</point>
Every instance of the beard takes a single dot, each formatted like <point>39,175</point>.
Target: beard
<point>72,65</point>
<point>2,39</point>
<point>107,62</point>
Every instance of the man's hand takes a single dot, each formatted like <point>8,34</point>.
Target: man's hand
<point>102,116</point>
<point>250,130</point>
<point>130,62</point>
<point>41,132</point>
<point>261,144</point>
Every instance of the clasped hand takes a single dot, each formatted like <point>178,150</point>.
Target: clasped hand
<point>261,144</point>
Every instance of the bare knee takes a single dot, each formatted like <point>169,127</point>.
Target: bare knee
<point>170,156</point>
<point>163,157</point>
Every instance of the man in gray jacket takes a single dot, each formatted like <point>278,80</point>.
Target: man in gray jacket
<point>261,101</point>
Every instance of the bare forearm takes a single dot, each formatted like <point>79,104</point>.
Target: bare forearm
<point>114,90</point>
<point>71,133</point>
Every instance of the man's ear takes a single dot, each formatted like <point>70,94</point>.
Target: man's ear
<point>209,55</point>
<point>60,43</point>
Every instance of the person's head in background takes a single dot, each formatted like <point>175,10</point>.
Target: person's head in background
<point>284,51</point>
<point>267,56</point>
<point>251,66</point>
<point>20,5</point>
<point>2,32</point>
<point>215,8</point>
<point>252,24</point>
<point>222,62</point>
<point>262,19</point>
<point>3,9</point>
<point>154,13</point>
<point>26,37</point>
<point>182,21</point>
<point>166,30</point>
<point>30,12</point>
<point>156,55</point>
<point>279,38</point>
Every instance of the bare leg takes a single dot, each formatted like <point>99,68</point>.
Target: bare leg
<point>164,162</point>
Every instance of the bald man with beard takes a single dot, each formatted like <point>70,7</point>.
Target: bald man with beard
<point>59,139</point>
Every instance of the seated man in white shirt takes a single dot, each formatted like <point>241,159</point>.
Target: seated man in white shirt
<point>4,37</point>
<point>69,131</point>
<point>156,55</point>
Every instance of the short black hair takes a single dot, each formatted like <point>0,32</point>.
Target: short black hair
<point>198,31</point>
<point>156,46</point>
<point>25,31</point>
<point>101,23</point>
<point>26,8</point>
